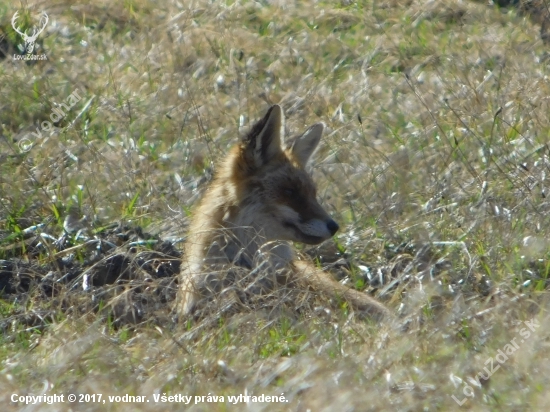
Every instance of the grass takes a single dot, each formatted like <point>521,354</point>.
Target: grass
<point>434,164</point>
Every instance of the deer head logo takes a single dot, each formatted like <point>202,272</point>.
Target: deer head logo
<point>30,40</point>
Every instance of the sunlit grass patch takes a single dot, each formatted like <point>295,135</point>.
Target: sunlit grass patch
<point>434,164</point>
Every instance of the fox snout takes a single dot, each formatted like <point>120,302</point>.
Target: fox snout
<point>332,226</point>
<point>316,230</point>
<point>311,231</point>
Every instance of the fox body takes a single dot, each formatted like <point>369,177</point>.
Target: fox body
<point>260,199</point>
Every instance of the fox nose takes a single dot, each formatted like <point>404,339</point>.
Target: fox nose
<point>332,226</point>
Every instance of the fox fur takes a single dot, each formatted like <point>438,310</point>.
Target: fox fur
<point>261,199</point>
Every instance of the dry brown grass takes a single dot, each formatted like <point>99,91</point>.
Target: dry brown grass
<point>435,164</point>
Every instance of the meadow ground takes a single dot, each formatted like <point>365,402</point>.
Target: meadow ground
<point>435,163</point>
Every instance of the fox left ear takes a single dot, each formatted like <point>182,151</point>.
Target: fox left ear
<point>264,140</point>
<point>305,145</point>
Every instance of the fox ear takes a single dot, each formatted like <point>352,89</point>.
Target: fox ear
<point>263,142</point>
<point>305,145</point>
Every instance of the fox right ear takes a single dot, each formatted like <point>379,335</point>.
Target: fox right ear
<point>263,142</point>
<point>305,145</point>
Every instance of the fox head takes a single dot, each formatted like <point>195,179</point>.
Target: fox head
<point>274,192</point>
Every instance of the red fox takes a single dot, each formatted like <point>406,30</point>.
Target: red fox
<point>261,198</point>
